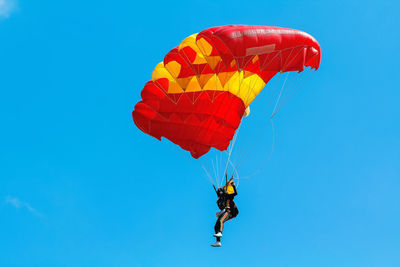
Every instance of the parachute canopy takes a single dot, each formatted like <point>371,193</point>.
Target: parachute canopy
<point>200,92</point>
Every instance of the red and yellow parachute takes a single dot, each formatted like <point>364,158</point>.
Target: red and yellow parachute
<point>200,92</point>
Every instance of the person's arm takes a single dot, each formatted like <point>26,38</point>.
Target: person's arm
<point>234,189</point>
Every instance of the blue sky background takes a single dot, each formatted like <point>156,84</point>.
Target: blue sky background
<point>80,185</point>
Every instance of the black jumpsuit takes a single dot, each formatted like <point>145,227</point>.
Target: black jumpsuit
<point>225,201</point>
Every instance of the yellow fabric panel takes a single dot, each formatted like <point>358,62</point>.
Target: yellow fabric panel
<point>206,50</point>
<point>213,61</point>
<point>174,88</point>
<point>188,41</point>
<point>204,46</point>
<point>225,76</point>
<point>160,72</point>
<point>173,68</point>
<point>213,84</point>
<point>193,85</point>
<point>183,82</point>
<point>254,84</point>
<point>191,42</point>
<point>245,88</point>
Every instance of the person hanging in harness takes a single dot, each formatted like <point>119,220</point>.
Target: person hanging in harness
<point>228,208</point>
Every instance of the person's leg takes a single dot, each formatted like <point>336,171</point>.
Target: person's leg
<point>219,225</point>
<point>224,217</point>
<point>217,228</point>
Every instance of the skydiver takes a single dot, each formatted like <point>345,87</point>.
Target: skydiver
<point>228,208</point>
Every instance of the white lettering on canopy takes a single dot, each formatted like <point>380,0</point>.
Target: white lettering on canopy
<point>259,50</point>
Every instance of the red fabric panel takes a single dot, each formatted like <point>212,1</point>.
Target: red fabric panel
<point>195,127</point>
<point>242,42</point>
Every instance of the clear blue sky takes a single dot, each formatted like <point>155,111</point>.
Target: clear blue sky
<point>80,185</point>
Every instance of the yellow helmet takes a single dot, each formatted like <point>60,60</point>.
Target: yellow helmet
<point>228,187</point>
